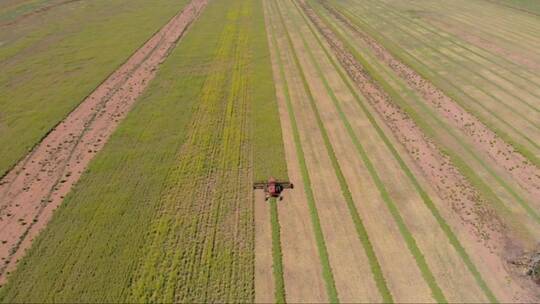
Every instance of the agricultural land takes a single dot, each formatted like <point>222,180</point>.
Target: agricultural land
<point>133,133</point>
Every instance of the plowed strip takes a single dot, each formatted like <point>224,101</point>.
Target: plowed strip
<point>37,185</point>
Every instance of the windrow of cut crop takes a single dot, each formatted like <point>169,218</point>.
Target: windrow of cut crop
<point>411,243</point>
<point>425,197</point>
<point>440,170</point>
<point>463,148</point>
<point>361,230</point>
<point>502,153</point>
<point>315,220</point>
<point>277,256</point>
<point>524,144</point>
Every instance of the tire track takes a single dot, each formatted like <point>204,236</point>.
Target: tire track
<point>31,191</point>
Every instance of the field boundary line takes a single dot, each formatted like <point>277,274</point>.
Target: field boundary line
<point>142,63</point>
<point>32,150</point>
<point>316,225</point>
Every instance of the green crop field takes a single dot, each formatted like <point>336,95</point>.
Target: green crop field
<point>167,203</point>
<point>50,62</point>
<point>408,133</point>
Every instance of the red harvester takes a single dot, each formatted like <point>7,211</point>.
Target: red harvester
<point>273,187</point>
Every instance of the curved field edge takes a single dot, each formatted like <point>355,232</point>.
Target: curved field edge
<point>50,66</point>
<point>96,244</point>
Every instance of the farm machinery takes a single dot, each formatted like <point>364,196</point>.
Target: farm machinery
<point>273,187</point>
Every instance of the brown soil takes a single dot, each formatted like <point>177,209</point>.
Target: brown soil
<point>36,186</point>
<point>503,155</point>
<point>482,223</point>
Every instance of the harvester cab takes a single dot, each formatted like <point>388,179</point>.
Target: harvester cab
<point>273,187</point>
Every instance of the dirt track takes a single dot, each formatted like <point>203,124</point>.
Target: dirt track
<point>31,191</point>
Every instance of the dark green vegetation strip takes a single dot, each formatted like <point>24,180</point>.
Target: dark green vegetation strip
<point>459,162</point>
<point>450,89</point>
<point>164,212</point>
<point>51,63</point>
<point>409,239</point>
<point>425,197</point>
<point>359,225</point>
<point>317,230</point>
<point>277,256</point>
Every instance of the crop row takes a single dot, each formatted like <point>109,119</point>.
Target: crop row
<point>406,234</point>
<point>455,144</point>
<point>165,211</point>
<point>486,99</point>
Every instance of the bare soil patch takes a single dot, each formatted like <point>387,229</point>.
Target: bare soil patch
<point>37,185</point>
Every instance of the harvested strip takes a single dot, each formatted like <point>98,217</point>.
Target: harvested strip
<point>302,268</point>
<point>37,185</point>
<point>526,173</point>
<point>481,222</point>
<point>299,172</point>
